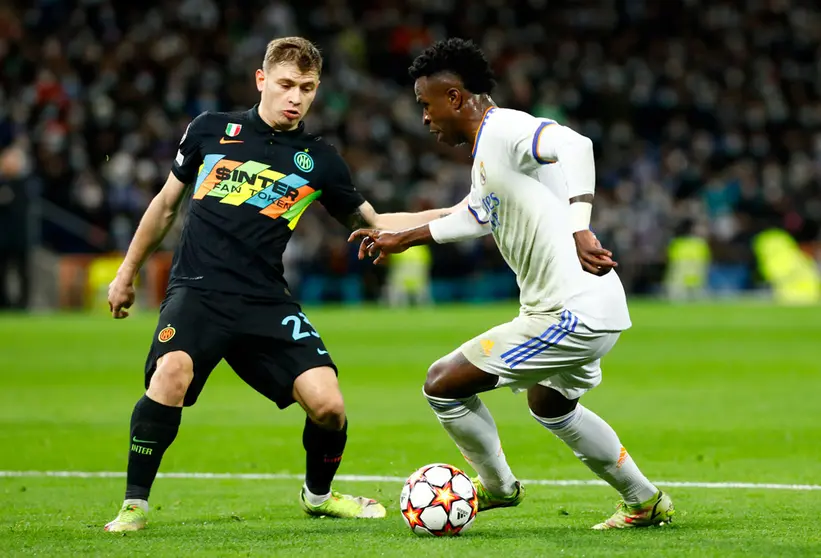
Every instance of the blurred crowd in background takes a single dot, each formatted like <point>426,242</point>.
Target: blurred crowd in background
<point>705,115</point>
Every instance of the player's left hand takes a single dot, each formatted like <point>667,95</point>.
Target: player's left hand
<point>378,243</point>
<point>593,257</point>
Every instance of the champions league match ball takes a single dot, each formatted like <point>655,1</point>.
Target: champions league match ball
<point>438,500</point>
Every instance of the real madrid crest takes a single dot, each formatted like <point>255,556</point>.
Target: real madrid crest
<point>482,174</point>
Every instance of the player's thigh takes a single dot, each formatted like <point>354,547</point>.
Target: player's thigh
<point>191,324</point>
<point>572,378</point>
<point>284,347</point>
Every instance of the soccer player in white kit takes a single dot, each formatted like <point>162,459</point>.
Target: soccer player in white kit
<point>525,173</point>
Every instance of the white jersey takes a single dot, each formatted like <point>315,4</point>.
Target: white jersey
<point>523,199</point>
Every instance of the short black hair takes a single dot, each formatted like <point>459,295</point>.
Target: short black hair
<point>457,56</point>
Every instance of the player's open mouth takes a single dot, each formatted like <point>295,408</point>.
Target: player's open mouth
<point>291,114</point>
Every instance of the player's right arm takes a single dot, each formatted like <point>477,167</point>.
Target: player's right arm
<point>153,227</point>
<point>157,219</point>
<point>468,220</point>
<point>534,142</point>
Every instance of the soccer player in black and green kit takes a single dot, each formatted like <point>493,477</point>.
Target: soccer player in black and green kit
<point>251,175</point>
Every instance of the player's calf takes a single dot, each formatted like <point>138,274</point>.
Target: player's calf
<point>593,441</point>
<point>155,422</point>
<point>450,388</point>
<point>153,429</point>
<point>324,438</point>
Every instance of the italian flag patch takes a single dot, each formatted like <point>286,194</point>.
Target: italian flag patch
<point>232,130</point>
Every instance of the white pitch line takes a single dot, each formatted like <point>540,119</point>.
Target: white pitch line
<point>378,478</point>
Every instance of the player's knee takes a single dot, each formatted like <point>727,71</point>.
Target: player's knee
<point>174,374</point>
<point>330,414</point>
<point>436,384</point>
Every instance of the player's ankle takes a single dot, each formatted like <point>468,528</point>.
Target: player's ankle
<point>314,499</point>
<point>640,499</point>
<point>140,503</point>
<point>501,488</point>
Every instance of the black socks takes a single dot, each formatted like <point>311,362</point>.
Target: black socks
<point>323,450</point>
<point>153,427</point>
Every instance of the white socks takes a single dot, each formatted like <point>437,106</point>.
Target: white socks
<point>314,499</point>
<point>471,427</point>
<point>596,444</point>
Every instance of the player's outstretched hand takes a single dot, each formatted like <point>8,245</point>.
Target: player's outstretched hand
<point>593,257</point>
<point>120,297</point>
<point>378,243</point>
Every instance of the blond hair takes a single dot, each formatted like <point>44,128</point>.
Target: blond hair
<point>296,50</point>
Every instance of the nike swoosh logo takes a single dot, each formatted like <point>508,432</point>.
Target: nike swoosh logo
<point>224,141</point>
<point>321,352</point>
<point>136,441</point>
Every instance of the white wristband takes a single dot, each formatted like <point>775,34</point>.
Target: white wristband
<point>580,216</point>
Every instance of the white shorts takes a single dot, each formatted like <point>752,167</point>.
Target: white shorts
<point>556,351</point>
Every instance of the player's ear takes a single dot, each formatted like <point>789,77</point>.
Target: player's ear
<point>260,79</point>
<point>455,98</point>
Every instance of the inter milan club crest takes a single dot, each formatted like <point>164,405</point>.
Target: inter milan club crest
<point>166,334</point>
<point>232,130</point>
<point>482,174</point>
<point>303,161</point>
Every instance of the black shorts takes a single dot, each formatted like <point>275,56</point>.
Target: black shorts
<point>267,343</point>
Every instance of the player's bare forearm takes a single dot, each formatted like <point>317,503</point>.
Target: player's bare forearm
<point>402,221</point>
<point>357,220</point>
<point>416,236</point>
<point>366,217</point>
<point>153,227</point>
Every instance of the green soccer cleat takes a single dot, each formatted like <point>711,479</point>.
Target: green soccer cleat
<point>344,506</point>
<point>656,511</point>
<point>132,517</point>
<point>488,501</point>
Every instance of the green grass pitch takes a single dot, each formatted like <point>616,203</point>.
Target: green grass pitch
<point>701,393</point>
